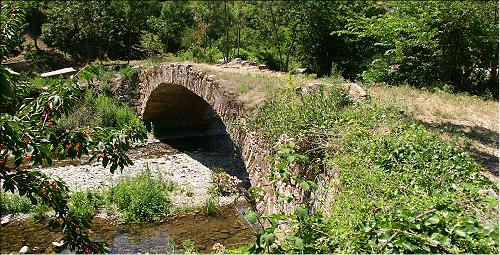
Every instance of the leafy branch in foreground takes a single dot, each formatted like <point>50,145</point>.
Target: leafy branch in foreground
<point>30,136</point>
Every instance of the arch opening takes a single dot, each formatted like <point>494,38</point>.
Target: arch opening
<point>173,111</point>
<point>186,122</point>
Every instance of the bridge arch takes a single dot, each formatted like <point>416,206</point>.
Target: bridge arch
<point>178,96</point>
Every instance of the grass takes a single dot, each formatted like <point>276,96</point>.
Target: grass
<point>84,204</point>
<point>387,168</point>
<point>102,110</point>
<point>142,198</point>
<point>10,203</point>
<point>211,206</point>
<point>188,247</point>
<point>239,250</point>
<point>440,104</point>
<point>471,119</point>
<point>402,169</point>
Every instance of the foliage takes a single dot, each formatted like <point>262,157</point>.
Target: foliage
<point>293,113</point>
<point>398,188</point>
<point>10,204</point>
<point>29,136</point>
<point>12,24</point>
<point>238,250</point>
<point>100,108</point>
<point>421,43</point>
<point>211,205</point>
<point>95,29</point>
<point>142,198</point>
<point>188,247</point>
<point>83,205</point>
<point>434,43</point>
<point>128,73</point>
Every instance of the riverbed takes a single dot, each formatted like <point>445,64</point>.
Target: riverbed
<point>188,163</point>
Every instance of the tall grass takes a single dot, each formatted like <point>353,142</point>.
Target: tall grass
<point>291,114</point>
<point>142,198</point>
<point>10,203</point>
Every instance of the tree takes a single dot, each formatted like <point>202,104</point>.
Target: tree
<point>434,42</point>
<point>29,136</point>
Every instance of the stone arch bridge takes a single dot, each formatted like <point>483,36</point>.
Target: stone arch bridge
<point>179,97</point>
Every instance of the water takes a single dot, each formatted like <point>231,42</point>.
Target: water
<point>229,228</point>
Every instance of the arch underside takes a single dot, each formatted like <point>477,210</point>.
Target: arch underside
<point>174,111</point>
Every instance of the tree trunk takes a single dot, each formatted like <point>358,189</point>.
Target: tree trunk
<point>278,41</point>
<point>128,47</point>
<point>226,57</point>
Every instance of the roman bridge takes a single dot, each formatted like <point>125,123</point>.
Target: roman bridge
<point>181,99</point>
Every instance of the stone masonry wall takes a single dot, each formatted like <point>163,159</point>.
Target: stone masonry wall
<point>254,149</point>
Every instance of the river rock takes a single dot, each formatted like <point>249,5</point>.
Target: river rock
<point>58,244</point>
<point>24,249</point>
<point>5,220</point>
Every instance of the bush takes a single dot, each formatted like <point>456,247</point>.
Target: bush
<point>390,171</point>
<point>102,110</point>
<point>290,114</point>
<point>128,73</point>
<point>211,206</point>
<point>433,42</point>
<point>208,55</point>
<point>10,203</point>
<point>83,205</point>
<point>398,188</point>
<point>142,198</point>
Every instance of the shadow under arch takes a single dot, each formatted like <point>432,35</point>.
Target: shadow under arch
<point>186,122</point>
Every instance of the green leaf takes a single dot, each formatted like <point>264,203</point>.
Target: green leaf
<point>113,168</point>
<point>305,185</point>
<point>433,220</point>
<point>461,232</point>
<point>100,146</point>
<point>407,246</point>
<point>301,212</point>
<point>445,241</point>
<point>30,149</point>
<point>269,238</point>
<point>299,243</point>
<point>251,217</point>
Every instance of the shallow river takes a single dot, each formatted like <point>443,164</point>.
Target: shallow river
<point>229,228</point>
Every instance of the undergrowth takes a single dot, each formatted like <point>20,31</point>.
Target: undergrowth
<point>396,188</point>
<point>10,203</point>
<point>142,198</point>
<point>99,107</point>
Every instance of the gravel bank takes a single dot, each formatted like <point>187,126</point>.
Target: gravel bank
<point>189,170</point>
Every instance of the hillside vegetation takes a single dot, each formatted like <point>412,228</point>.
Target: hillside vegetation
<point>448,45</point>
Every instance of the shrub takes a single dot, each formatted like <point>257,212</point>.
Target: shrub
<point>188,247</point>
<point>208,55</point>
<point>142,198</point>
<point>83,205</point>
<point>398,188</point>
<point>290,114</point>
<point>128,73</point>
<point>10,203</point>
